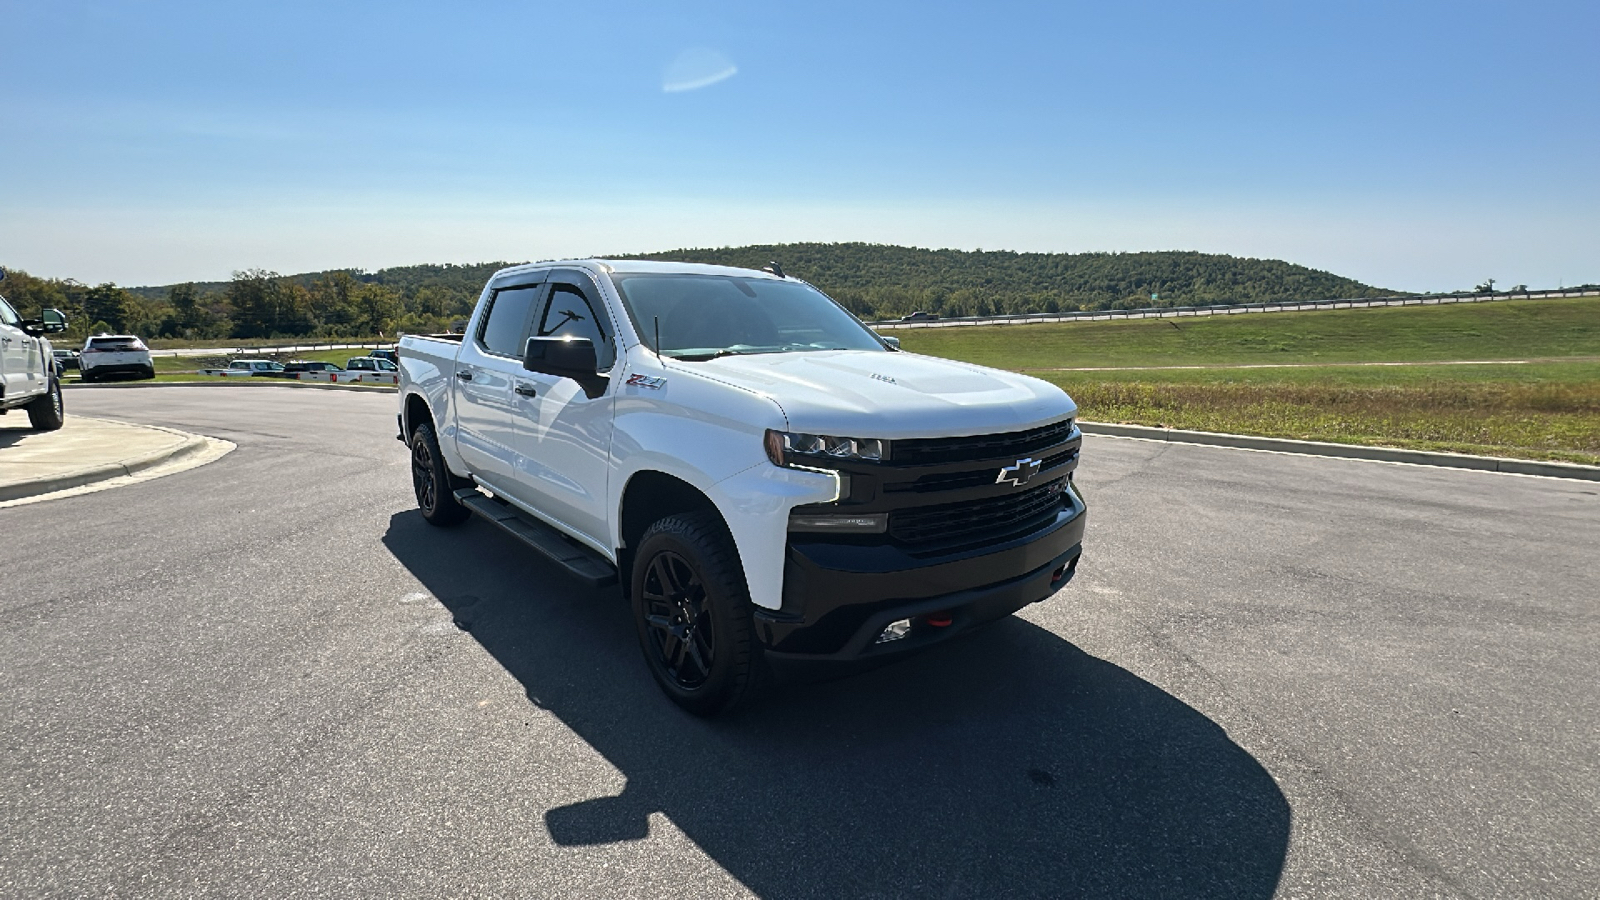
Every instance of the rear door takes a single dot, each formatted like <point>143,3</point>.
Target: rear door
<point>487,370</point>
<point>563,436</point>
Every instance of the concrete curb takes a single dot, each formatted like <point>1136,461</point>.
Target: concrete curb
<point>34,487</point>
<point>1348,451</point>
<point>235,383</point>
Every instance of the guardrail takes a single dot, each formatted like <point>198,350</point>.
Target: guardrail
<point>1170,312</point>
<point>274,349</point>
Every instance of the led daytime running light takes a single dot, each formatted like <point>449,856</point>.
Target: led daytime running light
<point>780,444</point>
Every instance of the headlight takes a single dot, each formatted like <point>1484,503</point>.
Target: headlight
<point>782,445</point>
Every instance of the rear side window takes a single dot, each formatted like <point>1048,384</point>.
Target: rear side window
<point>569,314</point>
<point>8,315</point>
<point>506,325</point>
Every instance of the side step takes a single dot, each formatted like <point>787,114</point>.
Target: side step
<point>580,562</point>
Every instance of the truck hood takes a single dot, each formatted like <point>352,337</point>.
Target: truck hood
<point>892,395</point>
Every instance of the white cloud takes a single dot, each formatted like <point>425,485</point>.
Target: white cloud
<point>696,68</point>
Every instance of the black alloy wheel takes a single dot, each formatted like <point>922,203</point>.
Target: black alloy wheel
<point>681,631</point>
<point>691,609</point>
<point>432,481</point>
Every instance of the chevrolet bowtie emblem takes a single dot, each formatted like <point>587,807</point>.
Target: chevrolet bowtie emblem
<point>1020,473</point>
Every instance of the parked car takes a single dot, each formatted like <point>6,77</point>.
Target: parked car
<point>919,316</point>
<point>245,368</point>
<point>65,359</point>
<point>369,364</point>
<point>762,473</point>
<point>28,378</point>
<point>115,356</point>
<point>295,366</point>
<point>390,354</point>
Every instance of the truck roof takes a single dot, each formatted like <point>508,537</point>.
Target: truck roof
<point>639,266</point>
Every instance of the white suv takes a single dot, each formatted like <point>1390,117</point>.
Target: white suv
<point>115,355</point>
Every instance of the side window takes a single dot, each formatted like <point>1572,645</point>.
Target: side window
<point>8,315</point>
<point>506,326</point>
<point>569,312</point>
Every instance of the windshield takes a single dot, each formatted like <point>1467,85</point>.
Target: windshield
<point>704,316</point>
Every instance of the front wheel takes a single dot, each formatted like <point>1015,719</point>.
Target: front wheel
<point>692,611</point>
<point>432,481</point>
<point>48,412</point>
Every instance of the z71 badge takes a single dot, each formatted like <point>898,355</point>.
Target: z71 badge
<point>647,381</point>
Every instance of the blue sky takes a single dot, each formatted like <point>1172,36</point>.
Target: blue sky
<point>1419,146</point>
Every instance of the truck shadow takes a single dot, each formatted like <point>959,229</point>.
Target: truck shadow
<point>1007,763</point>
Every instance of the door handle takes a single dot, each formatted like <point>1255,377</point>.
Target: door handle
<point>527,390</point>
<point>464,374</point>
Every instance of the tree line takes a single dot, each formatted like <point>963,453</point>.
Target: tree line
<point>872,280</point>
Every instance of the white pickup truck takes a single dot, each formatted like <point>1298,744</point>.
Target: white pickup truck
<point>767,477</point>
<point>28,376</point>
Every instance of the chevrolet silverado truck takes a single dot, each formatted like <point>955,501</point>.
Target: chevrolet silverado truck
<point>766,477</point>
<point>28,376</point>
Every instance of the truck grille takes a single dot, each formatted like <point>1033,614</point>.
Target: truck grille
<point>976,520</point>
<point>927,451</point>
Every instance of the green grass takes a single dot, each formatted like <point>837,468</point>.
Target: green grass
<point>1542,410</point>
<point>179,364</point>
<point>1516,329</point>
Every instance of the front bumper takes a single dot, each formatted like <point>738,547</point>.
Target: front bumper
<point>839,597</point>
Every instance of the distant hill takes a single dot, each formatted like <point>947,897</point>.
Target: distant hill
<point>886,280</point>
<point>873,280</point>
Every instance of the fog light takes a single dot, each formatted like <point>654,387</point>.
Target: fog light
<point>894,632</point>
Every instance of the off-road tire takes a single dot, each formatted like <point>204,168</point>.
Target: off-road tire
<point>48,412</point>
<point>432,482</point>
<point>687,585</point>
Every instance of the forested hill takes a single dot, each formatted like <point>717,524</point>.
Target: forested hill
<point>885,280</point>
<point>874,280</point>
<point>878,280</point>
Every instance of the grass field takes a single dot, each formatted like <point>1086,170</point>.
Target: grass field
<point>1548,408</point>
<point>1517,329</point>
<point>182,364</point>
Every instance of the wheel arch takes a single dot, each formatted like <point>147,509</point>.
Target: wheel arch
<point>416,412</point>
<point>648,497</point>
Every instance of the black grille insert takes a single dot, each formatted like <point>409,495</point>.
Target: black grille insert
<point>984,519</point>
<point>952,481</point>
<point>927,451</point>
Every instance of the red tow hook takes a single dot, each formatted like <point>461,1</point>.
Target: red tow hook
<point>938,619</point>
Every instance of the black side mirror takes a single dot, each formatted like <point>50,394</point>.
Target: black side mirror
<point>50,321</point>
<point>564,357</point>
<point>893,342</point>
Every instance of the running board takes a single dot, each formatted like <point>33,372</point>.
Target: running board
<point>580,562</point>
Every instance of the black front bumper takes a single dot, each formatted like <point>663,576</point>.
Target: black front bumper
<point>839,596</point>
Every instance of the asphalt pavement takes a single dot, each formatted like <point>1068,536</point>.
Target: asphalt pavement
<point>1274,675</point>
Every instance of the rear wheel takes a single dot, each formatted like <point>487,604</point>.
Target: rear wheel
<point>431,480</point>
<point>48,412</point>
<point>692,611</point>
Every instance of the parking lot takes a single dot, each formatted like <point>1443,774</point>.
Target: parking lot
<point>1274,675</point>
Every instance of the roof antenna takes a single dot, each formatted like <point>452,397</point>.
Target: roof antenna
<point>773,267</point>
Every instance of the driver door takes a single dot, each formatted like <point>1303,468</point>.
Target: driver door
<point>563,435</point>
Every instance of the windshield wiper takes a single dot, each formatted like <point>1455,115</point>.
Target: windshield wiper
<point>702,357</point>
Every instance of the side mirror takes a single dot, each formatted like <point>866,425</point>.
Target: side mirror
<point>893,342</point>
<point>564,357</point>
<point>50,321</point>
